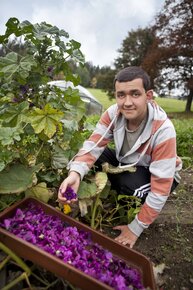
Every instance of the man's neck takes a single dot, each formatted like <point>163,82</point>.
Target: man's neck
<point>133,125</point>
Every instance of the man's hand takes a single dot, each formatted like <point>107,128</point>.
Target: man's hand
<point>126,236</point>
<point>73,181</point>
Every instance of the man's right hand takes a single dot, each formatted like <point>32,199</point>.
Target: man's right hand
<point>73,181</point>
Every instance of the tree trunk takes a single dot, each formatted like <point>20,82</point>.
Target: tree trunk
<point>189,101</point>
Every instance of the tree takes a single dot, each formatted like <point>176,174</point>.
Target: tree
<point>105,80</point>
<point>170,59</point>
<point>134,48</point>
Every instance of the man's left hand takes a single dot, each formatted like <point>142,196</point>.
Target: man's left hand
<point>126,236</point>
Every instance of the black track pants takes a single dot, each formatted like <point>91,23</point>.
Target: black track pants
<point>131,183</point>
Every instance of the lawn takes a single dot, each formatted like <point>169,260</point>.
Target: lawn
<point>169,105</point>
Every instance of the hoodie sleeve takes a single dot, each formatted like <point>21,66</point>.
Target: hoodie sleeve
<point>95,145</point>
<point>163,164</point>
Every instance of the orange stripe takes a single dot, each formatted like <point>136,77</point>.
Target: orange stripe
<point>161,185</point>
<point>105,120</point>
<point>88,158</point>
<point>164,150</point>
<point>156,124</point>
<point>141,148</point>
<point>147,214</point>
<point>96,137</point>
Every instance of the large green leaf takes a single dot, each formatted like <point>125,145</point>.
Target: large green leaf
<point>101,181</point>
<point>71,125</point>
<point>45,120</point>
<point>12,63</point>
<point>9,135</point>
<point>40,191</point>
<point>15,114</point>
<point>60,158</point>
<point>17,179</point>
<point>87,190</point>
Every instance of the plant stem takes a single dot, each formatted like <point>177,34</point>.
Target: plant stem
<point>2,264</point>
<point>15,258</point>
<point>94,212</point>
<point>16,281</point>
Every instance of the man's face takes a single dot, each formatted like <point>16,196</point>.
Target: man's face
<point>132,99</point>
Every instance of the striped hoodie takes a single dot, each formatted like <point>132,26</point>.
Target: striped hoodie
<point>155,148</point>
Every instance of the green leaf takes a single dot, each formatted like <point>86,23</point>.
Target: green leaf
<point>15,114</point>
<point>71,125</point>
<point>45,120</point>
<point>101,181</point>
<point>40,191</point>
<point>26,63</point>
<point>17,178</point>
<point>75,44</point>
<point>87,190</point>
<point>2,165</point>
<point>60,158</point>
<point>11,64</point>
<point>9,135</point>
<point>12,26</point>
<point>43,30</point>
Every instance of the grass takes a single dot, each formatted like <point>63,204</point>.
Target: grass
<point>102,97</point>
<point>169,105</point>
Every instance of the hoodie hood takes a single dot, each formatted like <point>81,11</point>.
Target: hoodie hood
<point>156,118</point>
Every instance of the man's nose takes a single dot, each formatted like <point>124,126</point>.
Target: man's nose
<point>128,100</point>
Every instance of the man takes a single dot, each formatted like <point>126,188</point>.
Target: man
<point>144,137</point>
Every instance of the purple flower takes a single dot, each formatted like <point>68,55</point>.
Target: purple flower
<point>72,246</point>
<point>70,194</point>
<point>7,223</point>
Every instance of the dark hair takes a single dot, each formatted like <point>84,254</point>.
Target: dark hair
<point>131,73</point>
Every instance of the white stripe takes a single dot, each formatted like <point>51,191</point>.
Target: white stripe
<point>142,190</point>
<point>163,168</point>
<point>156,201</point>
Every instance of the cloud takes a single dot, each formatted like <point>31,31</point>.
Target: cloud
<point>100,26</point>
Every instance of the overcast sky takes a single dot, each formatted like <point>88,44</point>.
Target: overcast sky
<point>99,25</point>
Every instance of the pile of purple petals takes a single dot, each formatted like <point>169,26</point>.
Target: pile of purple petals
<point>70,193</point>
<point>73,246</point>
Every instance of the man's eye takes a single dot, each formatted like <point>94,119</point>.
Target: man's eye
<point>121,95</point>
<point>135,95</point>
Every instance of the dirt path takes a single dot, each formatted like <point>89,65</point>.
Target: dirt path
<point>169,241</point>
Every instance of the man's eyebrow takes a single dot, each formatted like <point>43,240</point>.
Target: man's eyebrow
<point>130,91</point>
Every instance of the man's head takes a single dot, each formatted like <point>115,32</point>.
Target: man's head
<point>132,73</point>
<point>132,91</point>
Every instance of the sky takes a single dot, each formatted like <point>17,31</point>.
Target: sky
<point>99,25</point>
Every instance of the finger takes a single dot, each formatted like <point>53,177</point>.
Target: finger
<point>120,239</point>
<point>61,198</point>
<point>74,200</point>
<point>117,228</point>
<point>62,190</point>
<point>123,241</point>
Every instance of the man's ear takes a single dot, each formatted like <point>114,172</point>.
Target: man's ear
<point>149,95</point>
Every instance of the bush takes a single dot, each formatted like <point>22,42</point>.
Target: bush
<point>184,131</point>
<point>40,126</point>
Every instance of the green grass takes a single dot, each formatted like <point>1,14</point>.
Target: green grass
<point>169,105</point>
<point>102,97</point>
